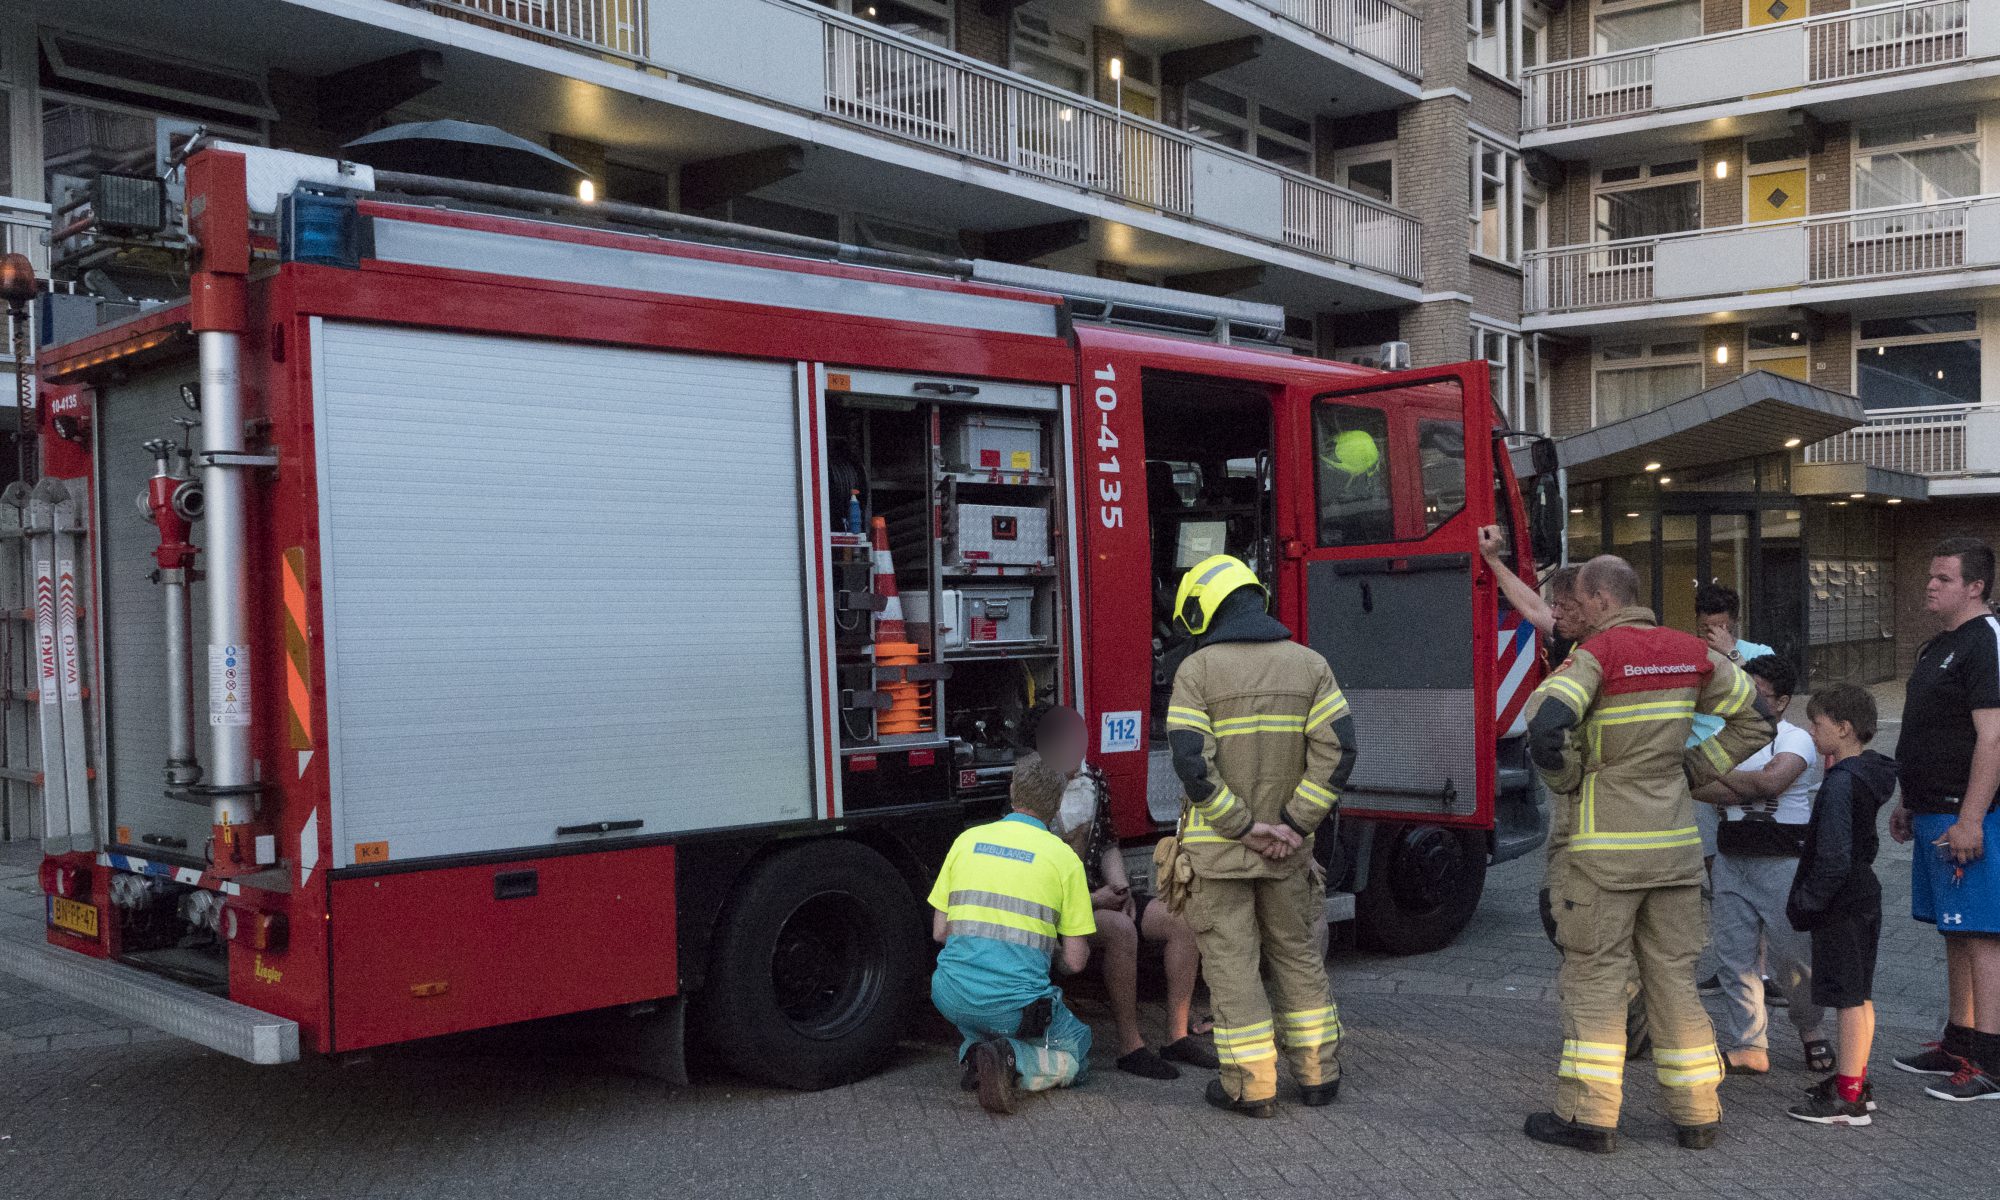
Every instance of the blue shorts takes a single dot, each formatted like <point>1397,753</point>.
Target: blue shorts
<point>1942,895</point>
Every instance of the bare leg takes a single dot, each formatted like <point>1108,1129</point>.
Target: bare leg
<point>1118,942</point>
<point>1183,962</point>
<point>1857,1034</point>
<point>1984,952</point>
<point>1958,978</point>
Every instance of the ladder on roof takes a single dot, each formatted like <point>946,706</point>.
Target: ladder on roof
<point>45,737</point>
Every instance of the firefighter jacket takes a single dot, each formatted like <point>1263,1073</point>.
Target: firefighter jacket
<point>1260,734</point>
<point>1630,694</point>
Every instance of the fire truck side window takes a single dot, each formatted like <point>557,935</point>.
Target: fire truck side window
<point>1441,453</point>
<point>1351,474</point>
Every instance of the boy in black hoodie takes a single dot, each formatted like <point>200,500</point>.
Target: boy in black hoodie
<point>1837,899</point>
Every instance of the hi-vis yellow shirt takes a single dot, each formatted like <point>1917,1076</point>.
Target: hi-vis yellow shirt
<point>1009,892</point>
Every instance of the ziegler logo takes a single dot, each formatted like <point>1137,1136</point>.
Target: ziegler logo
<point>1663,669</point>
<point>264,973</point>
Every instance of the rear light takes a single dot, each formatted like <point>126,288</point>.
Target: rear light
<point>68,880</point>
<point>249,927</point>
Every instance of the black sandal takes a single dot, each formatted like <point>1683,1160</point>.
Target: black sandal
<point>1819,1055</point>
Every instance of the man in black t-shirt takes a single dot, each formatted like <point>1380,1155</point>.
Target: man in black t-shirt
<point>1950,768</point>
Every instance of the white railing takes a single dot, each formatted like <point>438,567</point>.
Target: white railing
<point>1877,40</point>
<point>1382,29</point>
<point>1927,441</point>
<point>615,25</point>
<point>24,229</point>
<point>936,98</point>
<point>1847,247</point>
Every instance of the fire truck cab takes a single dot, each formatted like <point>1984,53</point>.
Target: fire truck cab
<point>469,606</point>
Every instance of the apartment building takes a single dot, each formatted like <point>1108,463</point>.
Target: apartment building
<point>1810,189</point>
<point>1575,192</point>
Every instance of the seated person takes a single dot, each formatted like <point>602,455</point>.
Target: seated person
<point>1123,916</point>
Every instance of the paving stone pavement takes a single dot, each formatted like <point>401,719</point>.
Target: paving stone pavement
<point>1445,1055</point>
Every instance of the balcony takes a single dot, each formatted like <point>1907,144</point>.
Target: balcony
<point>1930,441</point>
<point>1755,265</point>
<point>810,59</point>
<point>1823,52</point>
<point>1381,29</point>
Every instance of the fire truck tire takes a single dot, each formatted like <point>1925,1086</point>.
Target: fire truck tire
<point>1423,885</point>
<point>814,965</point>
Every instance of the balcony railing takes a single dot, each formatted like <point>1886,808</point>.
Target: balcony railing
<point>913,92</point>
<point>24,228</point>
<point>1880,39</point>
<point>615,25</point>
<point>1849,247</point>
<point>1382,29</point>
<point>1928,441</point>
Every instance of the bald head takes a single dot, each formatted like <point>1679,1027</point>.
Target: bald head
<point>1610,578</point>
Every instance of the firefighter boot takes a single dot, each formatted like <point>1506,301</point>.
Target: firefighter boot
<point>1551,1129</point>
<point>1223,915</point>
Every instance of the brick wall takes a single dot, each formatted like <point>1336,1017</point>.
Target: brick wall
<point>1496,106</point>
<point>1831,6</point>
<point>1438,332</point>
<point>1718,16</point>
<point>1832,358</point>
<point>1569,32</point>
<point>1570,217</point>
<point>1496,292</point>
<point>1106,44</point>
<point>1722,199</point>
<point>1432,158</point>
<point>1567,372</point>
<point>1729,337</point>
<point>980,34</point>
<point>1830,173</point>
<point>1918,528</point>
<point>1443,60</point>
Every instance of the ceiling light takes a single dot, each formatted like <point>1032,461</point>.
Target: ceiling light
<point>1652,466</point>
<point>1793,443</point>
<point>1632,515</point>
<point>1840,504</point>
<point>1575,512</point>
<point>1795,335</point>
<point>1857,495</point>
<point>1895,500</point>
<point>1665,480</point>
<point>586,191</point>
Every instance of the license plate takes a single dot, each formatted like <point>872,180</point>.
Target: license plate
<point>73,916</point>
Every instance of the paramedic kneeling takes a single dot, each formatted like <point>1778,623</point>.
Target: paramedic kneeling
<point>1010,895</point>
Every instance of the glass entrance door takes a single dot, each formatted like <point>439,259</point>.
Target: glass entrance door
<point>1754,552</point>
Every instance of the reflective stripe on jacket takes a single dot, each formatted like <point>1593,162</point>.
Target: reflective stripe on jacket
<point>1633,690</point>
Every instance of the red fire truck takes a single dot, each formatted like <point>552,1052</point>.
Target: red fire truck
<point>532,564</point>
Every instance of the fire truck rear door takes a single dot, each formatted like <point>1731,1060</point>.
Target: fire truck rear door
<point>1399,493</point>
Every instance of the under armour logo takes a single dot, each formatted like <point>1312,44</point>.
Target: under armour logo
<point>1951,919</point>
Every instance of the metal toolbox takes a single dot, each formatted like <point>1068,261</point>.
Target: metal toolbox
<point>998,535</point>
<point>979,442</point>
<point>998,616</point>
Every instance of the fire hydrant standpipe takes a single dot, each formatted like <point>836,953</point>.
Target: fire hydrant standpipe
<point>173,501</point>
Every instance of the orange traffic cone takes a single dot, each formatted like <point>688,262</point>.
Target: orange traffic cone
<point>909,707</point>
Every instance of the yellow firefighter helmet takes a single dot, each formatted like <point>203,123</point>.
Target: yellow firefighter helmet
<point>1206,585</point>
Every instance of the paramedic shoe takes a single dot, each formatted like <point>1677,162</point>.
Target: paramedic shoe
<point>1971,1083</point>
<point>1698,1137</point>
<point>1147,1065</point>
<point>1193,1050</point>
<point>1249,1108</point>
<point>1553,1130</point>
<point>1320,1094</point>
<point>997,1091</point>
<point>1933,1059</point>
<point>1823,1105</point>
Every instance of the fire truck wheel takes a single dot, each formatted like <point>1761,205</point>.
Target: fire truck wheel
<point>813,967</point>
<point>1423,885</point>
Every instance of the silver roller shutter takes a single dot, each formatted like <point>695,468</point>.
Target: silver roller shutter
<point>563,584</point>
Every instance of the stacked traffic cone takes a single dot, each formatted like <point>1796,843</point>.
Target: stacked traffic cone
<point>909,707</point>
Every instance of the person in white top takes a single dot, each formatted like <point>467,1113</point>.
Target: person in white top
<point>1765,804</point>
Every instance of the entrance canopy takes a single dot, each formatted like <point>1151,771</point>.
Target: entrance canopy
<point>1754,414</point>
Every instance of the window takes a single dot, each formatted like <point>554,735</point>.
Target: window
<point>1369,170</point>
<point>1496,205</point>
<point>1647,199</point>
<point>1502,352</point>
<point>1780,349</point>
<point>1055,54</point>
<point>1919,362</point>
<point>1228,119</point>
<point>1352,475</point>
<point>924,20</point>
<point>1489,36</point>
<point>1534,36</point>
<point>1631,24</point>
<point>1919,159</point>
<point>1441,458</point>
<point>1634,377</point>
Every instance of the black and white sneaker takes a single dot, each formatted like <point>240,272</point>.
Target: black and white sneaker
<point>1823,1105</point>
<point>1933,1059</point>
<point>1971,1083</point>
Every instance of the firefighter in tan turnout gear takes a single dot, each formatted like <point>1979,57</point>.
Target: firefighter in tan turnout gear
<point>1262,742</point>
<point>1608,731</point>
